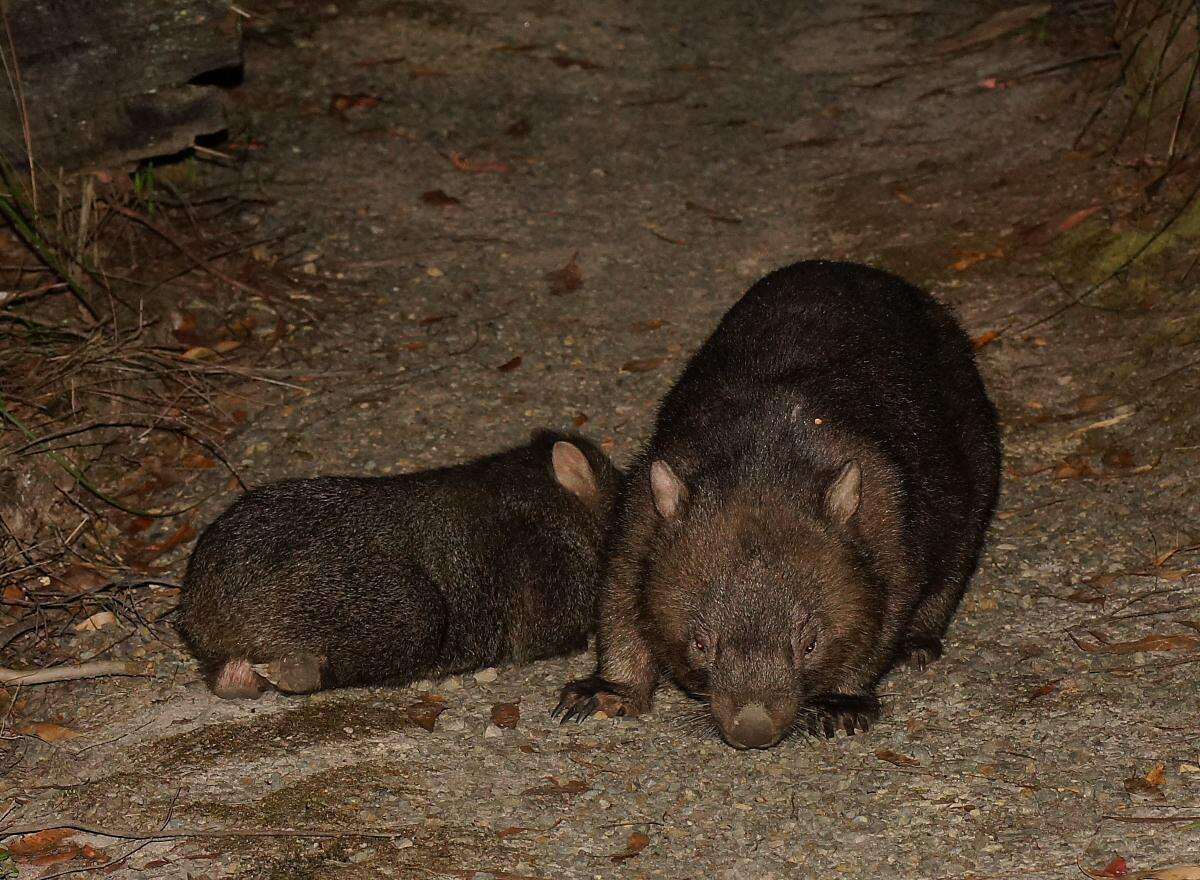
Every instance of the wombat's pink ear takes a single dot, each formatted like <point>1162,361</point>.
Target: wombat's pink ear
<point>670,492</point>
<point>573,472</point>
<point>844,493</point>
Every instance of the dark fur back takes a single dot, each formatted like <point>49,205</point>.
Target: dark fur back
<point>392,578</point>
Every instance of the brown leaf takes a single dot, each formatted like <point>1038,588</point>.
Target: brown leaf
<point>580,419</point>
<point>1043,690</point>
<point>39,841</point>
<point>566,279</point>
<point>198,353</point>
<point>1073,469</point>
<point>510,365</point>
<point>506,715</point>
<point>47,731</point>
<point>557,787</point>
<point>967,259</point>
<point>984,339</point>
<point>1155,776</point>
<point>184,533</point>
<point>634,845</point>
<point>66,854</point>
<point>1078,217</point>
<point>12,595</point>
<point>340,103</point>
<point>646,326</point>
<point>896,758</point>
<point>425,713</point>
<point>1118,867</point>
<point>471,166</point>
<point>439,198</point>
<point>641,365</point>
<point>581,63</point>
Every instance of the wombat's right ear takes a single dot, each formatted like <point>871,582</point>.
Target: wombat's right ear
<point>670,492</point>
<point>573,472</point>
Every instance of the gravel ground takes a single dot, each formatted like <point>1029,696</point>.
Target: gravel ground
<point>676,152</point>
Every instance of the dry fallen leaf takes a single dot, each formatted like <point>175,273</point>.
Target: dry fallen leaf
<point>967,259</point>
<point>1155,775</point>
<point>471,166</point>
<point>439,198</point>
<point>96,622</point>
<point>510,365</point>
<point>39,841</point>
<point>1118,867</point>
<point>566,279</point>
<point>646,326</point>
<point>506,715</point>
<point>580,419</point>
<point>634,845</point>
<point>47,731</point>
<point>640,365</point>
<point>425,713</point>
<point>896,758</point>
<point>1078,217</point>
<point>985,338</point>
<point>341,103</point>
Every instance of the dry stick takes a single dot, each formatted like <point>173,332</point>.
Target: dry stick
<point>1125,264</point>
<point>66,673</point>
<point>1151,819</point>
<point>201,833</point>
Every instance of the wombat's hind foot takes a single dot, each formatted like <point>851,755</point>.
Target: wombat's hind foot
<point>236,680</point>
<point>919,651</point>
<point>586,696</point>
<point>852,713</point>
<point>293,673</point>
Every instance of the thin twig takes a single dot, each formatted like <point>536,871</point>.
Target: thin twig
<point>203,833</point>
<point>66,673</point>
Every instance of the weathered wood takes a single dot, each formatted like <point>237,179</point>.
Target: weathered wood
<point>102,83</point>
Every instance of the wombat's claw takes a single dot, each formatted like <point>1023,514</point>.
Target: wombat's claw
<point>918,652</point>
<point>849,713</point>
<point>584,698</point>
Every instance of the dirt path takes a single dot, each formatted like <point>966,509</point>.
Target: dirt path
<point>676,153</point>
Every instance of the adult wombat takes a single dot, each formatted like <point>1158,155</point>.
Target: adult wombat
<point>807,513</point>
<point>337,581</point>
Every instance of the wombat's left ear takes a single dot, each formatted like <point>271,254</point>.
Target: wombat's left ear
<point>670,493</point>
<point>573,472</point>
<point>844,493</point>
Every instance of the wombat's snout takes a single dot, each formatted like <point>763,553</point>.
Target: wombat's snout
<point>752,728</point>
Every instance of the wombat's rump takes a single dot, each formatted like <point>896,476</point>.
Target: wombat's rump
<point>807,513</point>
<point>340,581</point>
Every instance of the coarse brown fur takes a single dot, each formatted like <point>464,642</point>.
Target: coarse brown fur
<point>807,513</point>
<point>337,581</point>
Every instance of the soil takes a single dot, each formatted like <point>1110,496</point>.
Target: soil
<point>446,165</point>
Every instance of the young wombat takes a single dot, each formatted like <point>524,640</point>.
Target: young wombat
<point>807,513</point>
<point>336,581</point>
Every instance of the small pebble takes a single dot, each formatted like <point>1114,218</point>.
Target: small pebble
<point>487,676</point>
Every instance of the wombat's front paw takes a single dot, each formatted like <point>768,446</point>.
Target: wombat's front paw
<point>853,713</point>
<point>586,696</point>
<point>919,651</point>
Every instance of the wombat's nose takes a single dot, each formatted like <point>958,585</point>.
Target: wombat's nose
<point>752,728</point>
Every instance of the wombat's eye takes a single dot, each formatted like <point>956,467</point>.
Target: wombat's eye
<point>701,644</point>
<point>810,647</point>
